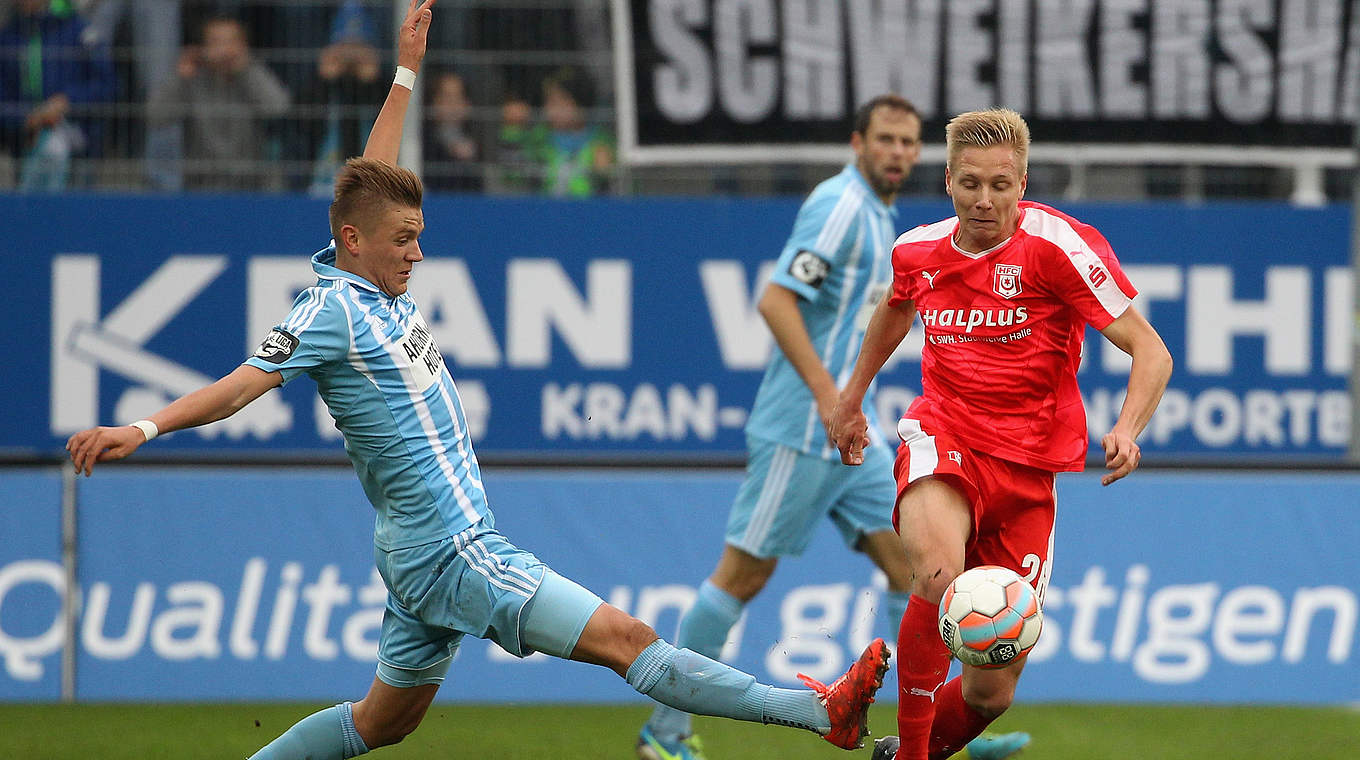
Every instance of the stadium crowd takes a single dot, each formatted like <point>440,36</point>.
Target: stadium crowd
<point>228,95</point>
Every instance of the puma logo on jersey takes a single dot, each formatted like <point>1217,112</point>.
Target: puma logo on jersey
<point>930,278</point>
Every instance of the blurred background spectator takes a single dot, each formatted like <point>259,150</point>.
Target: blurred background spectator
<point>224,99</point>
<point>575,156</point>
<point>516,171</point>
<point>154,28</point>
<point>562,155</point>
<point>336,107</point>
<point>452,145</point>
<point>49,80</point>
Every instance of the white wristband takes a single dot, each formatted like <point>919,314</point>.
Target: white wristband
<point>405,78</point>
<point>148,428</point>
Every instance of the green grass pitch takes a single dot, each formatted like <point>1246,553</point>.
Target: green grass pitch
<point>606,732</point>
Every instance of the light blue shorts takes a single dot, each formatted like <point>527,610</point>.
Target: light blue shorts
<point>475,583</point>
<point>786,492</point>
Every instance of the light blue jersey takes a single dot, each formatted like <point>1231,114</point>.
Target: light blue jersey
<point>383,379</point>
<point>839,262</point>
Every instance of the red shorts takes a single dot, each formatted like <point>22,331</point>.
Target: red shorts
<point>1012,504</point>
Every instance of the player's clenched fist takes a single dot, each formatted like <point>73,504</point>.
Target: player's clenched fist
<point>102,444</point>
<point>849,431</point>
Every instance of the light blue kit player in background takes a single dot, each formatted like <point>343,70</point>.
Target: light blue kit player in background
<point>835,268</point>
<point>448,572</point>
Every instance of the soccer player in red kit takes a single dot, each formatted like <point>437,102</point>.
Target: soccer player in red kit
<point>1005,291</point>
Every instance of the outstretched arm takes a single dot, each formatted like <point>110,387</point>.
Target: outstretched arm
<point>384,142</point>
<point>1147,380</point>
<point>887,327</point>
<point>207,404</point>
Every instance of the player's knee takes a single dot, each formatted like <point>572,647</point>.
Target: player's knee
<point>741,574</point>
<point>397,729</point>
<point>932,578</point>
<point>989,700</point>
<point>749,583</point>
<point>388,728</point>
<point>636,635</point>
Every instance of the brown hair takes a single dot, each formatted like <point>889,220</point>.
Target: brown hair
<point>365,185</point>
<point>983,129</point>
<point>865,112</point>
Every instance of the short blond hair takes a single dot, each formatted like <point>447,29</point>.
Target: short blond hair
<point>365,186</point>
<point>983,129</point>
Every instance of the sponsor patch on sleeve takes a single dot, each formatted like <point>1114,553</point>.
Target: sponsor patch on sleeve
<point>809,268</point>
<point>277,346</point>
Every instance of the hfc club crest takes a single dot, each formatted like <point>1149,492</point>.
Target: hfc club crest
<point>1006,280</point>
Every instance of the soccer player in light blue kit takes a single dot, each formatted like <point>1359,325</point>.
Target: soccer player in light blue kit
<point>833,271</point>
<point>449,573</point>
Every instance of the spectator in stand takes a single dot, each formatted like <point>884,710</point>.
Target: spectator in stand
<point>337,106</point>
<point>452,152</point>
<point>517,172</point>
<point>225,100</point>
<point>49,79</point>
<point>575,156</point>
<point>155,30</point>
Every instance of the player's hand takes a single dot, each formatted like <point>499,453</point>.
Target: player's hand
<point>849,432</point>
<point>411,38</point>
<point>103,444</point>
<point>1122,456</point>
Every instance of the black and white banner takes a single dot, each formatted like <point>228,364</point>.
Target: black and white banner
<point>1268,73</point>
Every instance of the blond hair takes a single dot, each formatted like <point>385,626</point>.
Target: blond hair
<point>983,129</point>
<point>364,186</point>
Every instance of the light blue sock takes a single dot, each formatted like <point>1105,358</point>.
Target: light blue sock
<point>892,605</point>
<point>703,629</point>
<point>326,735</point>
<point>699,685</point>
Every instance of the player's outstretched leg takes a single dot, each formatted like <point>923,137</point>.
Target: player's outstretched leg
<point>552,623</point>
<point>696,684</point>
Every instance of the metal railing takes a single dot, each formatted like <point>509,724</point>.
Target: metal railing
<point>481,124</point>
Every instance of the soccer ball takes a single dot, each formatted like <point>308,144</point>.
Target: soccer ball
<point>989,616</point>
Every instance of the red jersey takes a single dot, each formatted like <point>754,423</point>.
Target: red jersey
<point>1004,330</point>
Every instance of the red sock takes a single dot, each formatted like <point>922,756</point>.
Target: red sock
<point>922,665</point>
<point>955,724</point>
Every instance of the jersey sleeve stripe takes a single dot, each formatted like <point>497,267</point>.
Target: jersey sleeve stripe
<point>926,232</point>
<point>1058,231</point>
<point>838,222</point>
<point>306,312</point>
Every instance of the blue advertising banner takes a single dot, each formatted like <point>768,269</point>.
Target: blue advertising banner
<point>30,569</point>
<point>207,584</point>
<point>620,329</point>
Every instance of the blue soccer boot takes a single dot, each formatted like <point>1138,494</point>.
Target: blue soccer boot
<point>649,747</point>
